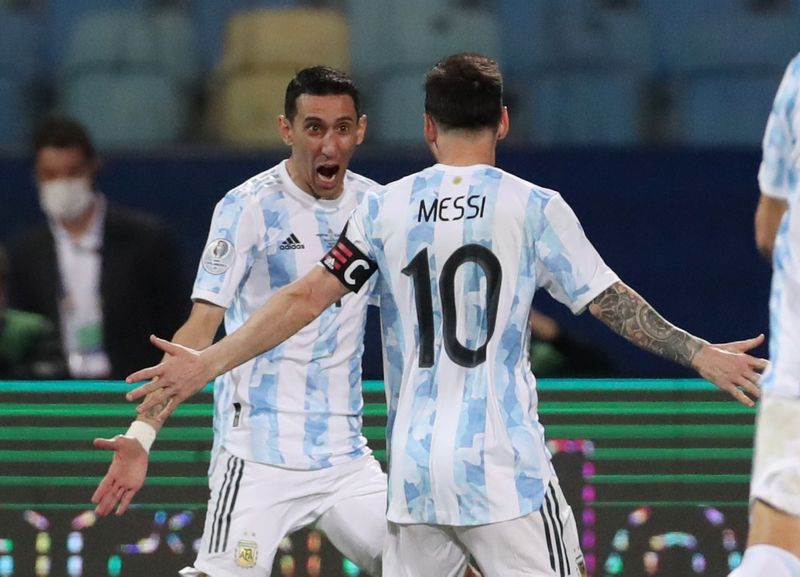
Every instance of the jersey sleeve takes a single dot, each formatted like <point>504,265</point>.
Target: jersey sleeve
<point>233,239</point>
<point>567,264</point>
<point>352,259</point>
<point>777,172</point>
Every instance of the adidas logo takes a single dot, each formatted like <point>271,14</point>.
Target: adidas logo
<point>291,243</point>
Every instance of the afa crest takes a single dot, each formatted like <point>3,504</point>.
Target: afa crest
<point>246,554</point>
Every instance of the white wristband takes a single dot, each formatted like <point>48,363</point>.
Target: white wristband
<point>143,433</point>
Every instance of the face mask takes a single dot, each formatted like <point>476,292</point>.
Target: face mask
<point>65,198</point>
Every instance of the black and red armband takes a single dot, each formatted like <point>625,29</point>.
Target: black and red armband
<point>347,263</point>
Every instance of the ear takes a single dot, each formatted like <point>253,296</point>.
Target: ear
<point>503,127</point>
<point>361,129</point>
<point>430,129</point>
<point>285,129</point>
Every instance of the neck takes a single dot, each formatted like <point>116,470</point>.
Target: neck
<point>78,226</point>
<point>464,148</point>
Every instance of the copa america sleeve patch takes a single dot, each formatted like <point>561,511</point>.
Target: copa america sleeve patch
<point>218,256</point>
<point>347,263</point>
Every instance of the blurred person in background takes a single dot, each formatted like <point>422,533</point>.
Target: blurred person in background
<point>107,276</point>
<point>773,545</point>
<point>29,345</point>
<point>556,352</point>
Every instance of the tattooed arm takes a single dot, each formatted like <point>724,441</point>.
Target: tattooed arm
<point>726,365</point>
<point>128,468</point>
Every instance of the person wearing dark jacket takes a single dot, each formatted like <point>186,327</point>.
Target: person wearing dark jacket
<point>107,276</point>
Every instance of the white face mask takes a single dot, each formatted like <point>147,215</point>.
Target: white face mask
<point>65,198</point>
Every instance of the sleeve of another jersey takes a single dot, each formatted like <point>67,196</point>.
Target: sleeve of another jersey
<point>233,239</point>
<point>777,165</point>
<point>352,259</point>
<point>567,264</point>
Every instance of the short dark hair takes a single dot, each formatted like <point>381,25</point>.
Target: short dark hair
<point>318,81</point>
<point>62,132</point>
<point>465,91</point>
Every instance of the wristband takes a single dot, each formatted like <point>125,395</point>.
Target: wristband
<point>143,433</point>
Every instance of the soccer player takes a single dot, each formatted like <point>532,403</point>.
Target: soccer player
<point>773,546</point>
<point>460,248</point>
<point>288,449</point>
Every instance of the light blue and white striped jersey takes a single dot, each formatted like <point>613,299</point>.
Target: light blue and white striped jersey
<point>460,252</point>
<point>299,405</point>
<point>779,177</point>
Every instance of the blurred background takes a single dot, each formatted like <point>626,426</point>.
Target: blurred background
<point>149,73</point>
<point>646,114</point>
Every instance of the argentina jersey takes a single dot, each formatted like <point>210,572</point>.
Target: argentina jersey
<point>299,405</point>
<point>778,178</point>
<point>460,252</point>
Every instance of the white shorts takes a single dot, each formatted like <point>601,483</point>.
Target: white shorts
<point>544,543</point>
<point>254,506</point>
<point>776,462</point>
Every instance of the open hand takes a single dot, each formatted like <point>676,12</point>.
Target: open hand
<point>180,375</point>
<point>125,475</point>
<point>730,368</point>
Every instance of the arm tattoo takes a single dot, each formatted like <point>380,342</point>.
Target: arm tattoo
<point>628,314</point>
<point>151,413</point>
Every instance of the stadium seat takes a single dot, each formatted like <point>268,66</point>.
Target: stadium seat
<point>13,115</point>
<point>134,39</point>
<point>416,33</point>
<point>244,107</point>
<point>211,17</point>
<point>21,46</point>
<point>292,37</point>
<point>580,107</point>
<point>395,44</point>
<point>262,50</point>
<point>138,62</point>
<point>396,116</point>
<point>21,72</point>
<point>693,36</point>
<point>725,108</point>
<point>60,19</point>
<point>133,109</point>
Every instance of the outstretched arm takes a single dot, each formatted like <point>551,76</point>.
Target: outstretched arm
<point>128,468</point>
<point>290,309</point>
<point>726,365</point>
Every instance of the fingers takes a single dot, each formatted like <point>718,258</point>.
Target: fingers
<point>126,499</point>
<point>168,409</point>
<point>105,500</point>
<point>146,389</point>
<point>100,492</point>
<point>749,387</point>
<point>745,345</point>
<point>742,398</point>
<point>168,347</point>
<point>150,373</point>
<point>109,444</point>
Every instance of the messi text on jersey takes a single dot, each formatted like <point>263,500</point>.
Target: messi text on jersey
<point>452,208</point>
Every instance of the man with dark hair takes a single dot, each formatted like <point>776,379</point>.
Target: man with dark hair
<point>106,276</point>
<point>460,249</point>
<point>288,447</point>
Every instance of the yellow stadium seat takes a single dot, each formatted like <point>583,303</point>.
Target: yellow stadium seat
<point>263,49</point>
<point>245,106</point>
<point>295,37</point>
